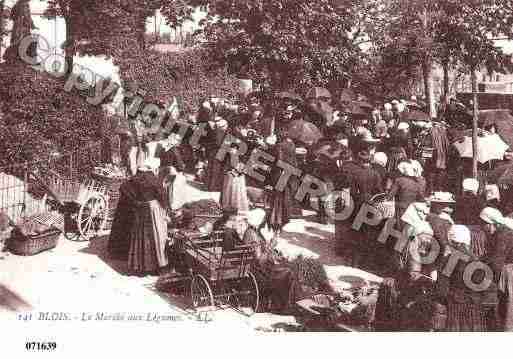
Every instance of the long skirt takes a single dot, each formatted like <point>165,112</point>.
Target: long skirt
<point>148,238</point>
<point>177,192</point>
<point>506,304</point>
<point>235,193</point>
<point>215,175</point>
<point>280,207</point>
<point>465,317</point>
<point>119,245</point>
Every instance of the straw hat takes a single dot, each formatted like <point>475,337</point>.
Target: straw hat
<point>441,197</point>
<point>366,136</point>
<point>149,165</point>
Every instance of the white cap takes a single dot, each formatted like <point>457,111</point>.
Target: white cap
<point>380,158</point>
<point>417,168</point>
<point>491,215</point>
<point>403,126</point>
<point>406,169</point>
<point>256,217</point>
<point>470,184</point>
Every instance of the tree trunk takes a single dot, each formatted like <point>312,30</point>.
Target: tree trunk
<point>445,66</point>
<point>68,54</point>
<point>427,72</point>
<point>2,26</point>
<point>473,76</point>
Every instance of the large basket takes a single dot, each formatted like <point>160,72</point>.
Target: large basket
<point>112,186</point>
<point>33,244</point>
<point>385,206</point>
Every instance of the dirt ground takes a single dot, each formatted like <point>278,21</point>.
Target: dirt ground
<point>78,277</point>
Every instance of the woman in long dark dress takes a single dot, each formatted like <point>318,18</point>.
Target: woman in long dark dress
<point>280,200</point>
<point>215,168</point>
<point>148,233</point>
<point>118,245</point>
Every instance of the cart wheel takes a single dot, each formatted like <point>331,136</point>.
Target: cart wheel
<point>246,293</point>
<point>92,215</point>
<point>201,294</point>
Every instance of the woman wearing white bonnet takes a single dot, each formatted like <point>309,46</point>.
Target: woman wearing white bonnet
<point>469,204</point>
<point>500,231</point>
<point>471,185</point>
<point>406,189</point>
<point>380,158</point>
<point>147,236</point>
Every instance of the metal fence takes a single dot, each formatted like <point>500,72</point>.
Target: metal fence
<point>21,194</point>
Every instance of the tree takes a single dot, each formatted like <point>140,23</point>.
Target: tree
<point>22,27</point>
<point>285,43</point>
<point>40,116</point>
<point>472,26</point>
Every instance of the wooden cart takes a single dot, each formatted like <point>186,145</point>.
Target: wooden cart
<point>83,205</point>
<point>218,277</point>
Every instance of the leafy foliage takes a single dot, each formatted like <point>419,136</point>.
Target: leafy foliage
<point>39,116</point>
<point>285,43</point>
<point>406,35</point>
<point>186,75</point>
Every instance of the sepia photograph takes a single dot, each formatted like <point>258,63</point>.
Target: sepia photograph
<point>254,168</point>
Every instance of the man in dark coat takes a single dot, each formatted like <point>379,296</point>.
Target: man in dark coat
<point>363,183</point>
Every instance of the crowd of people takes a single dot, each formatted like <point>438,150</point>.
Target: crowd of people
<point>393,151</point>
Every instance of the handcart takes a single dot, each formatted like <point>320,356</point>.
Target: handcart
<point>83,205</point>
<point>218,277</point>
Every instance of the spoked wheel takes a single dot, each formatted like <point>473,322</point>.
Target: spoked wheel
<point>92,216</point>
<point>246,293</point>
<point>201,293</point>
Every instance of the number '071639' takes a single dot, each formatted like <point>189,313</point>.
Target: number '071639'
<point>40,346</point>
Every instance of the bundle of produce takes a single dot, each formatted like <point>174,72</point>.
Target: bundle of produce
<point>310,276</point>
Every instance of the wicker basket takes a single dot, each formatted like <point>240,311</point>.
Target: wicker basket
<point>33,244</point>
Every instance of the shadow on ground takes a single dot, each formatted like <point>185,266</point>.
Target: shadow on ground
<point>98,247</point>
<point>11,301</point>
